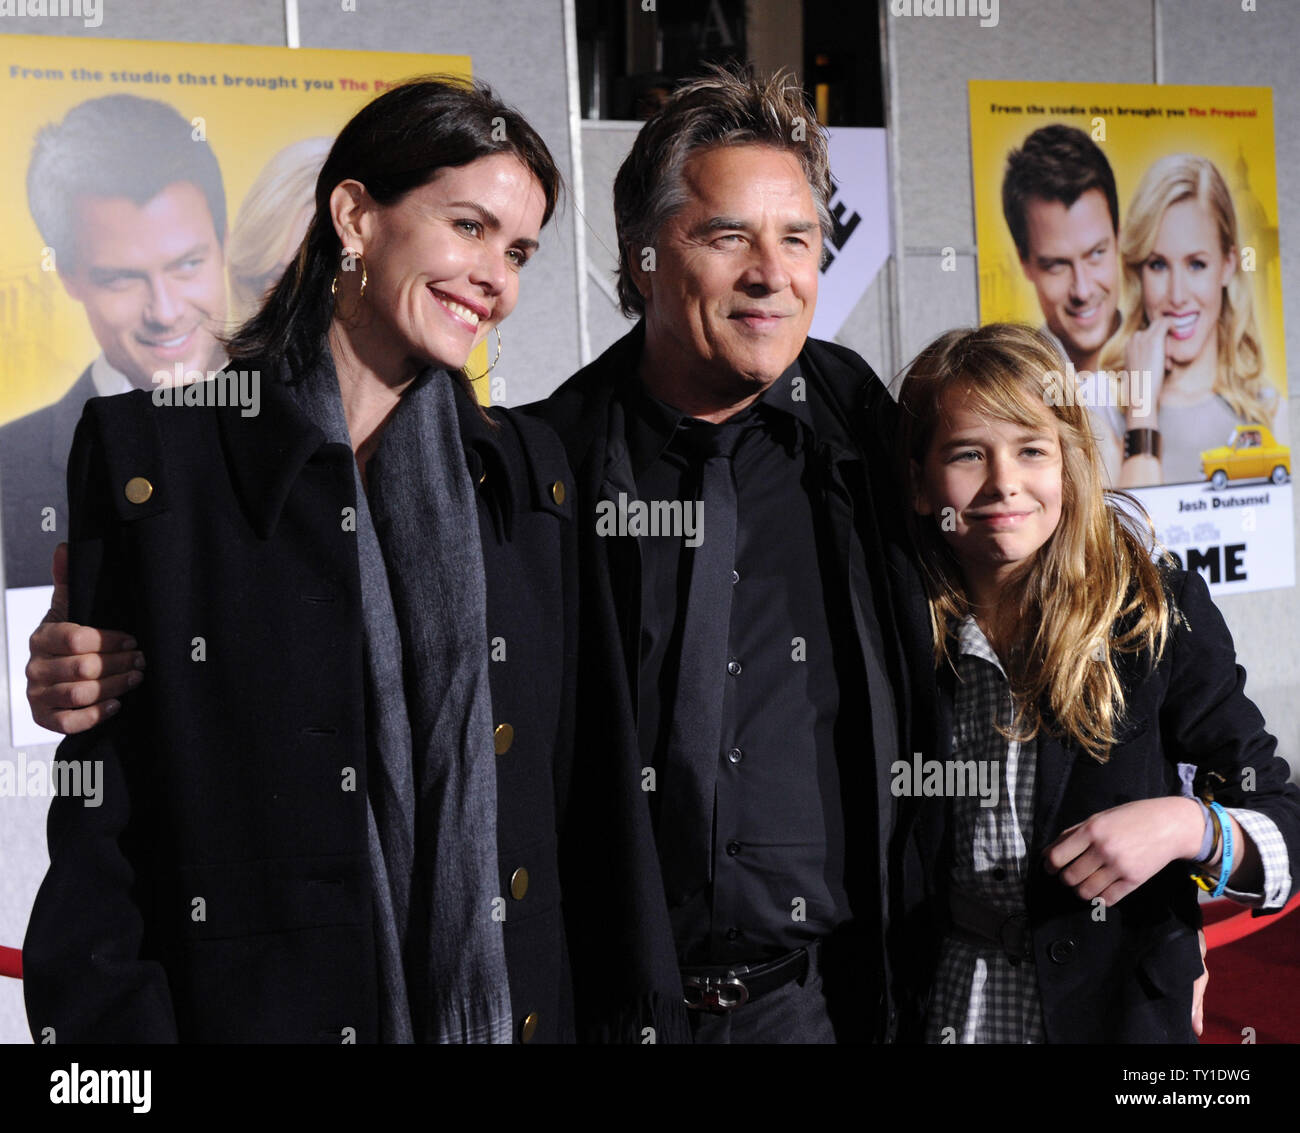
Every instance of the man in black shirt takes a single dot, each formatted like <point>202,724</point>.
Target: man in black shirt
<point>754,646</point>
<point>776,661</point>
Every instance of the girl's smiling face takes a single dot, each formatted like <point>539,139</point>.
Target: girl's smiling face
<point>993,486</point>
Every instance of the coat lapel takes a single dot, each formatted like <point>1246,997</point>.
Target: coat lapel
<point>625,965</point>
<point>586,415</point>
<point>267,451</point>
<point>1055,762</point>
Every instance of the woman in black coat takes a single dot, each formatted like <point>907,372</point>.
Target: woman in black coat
<point>356,599</point>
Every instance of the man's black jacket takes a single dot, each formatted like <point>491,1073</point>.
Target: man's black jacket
<point>626,957</point>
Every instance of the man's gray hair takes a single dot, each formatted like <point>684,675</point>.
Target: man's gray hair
<point>725,107</point>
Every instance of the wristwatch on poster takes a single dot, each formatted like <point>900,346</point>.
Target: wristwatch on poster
<point>1142,442</point>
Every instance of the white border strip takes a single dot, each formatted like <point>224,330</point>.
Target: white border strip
<point>1157,42</point>
<point>291,24</point>
<point>897,254</point>
<point>575,176</point>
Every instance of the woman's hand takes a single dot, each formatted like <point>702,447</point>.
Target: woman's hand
<point>1114,852</point>
<point>1145,354</point>
<point>76,673</point>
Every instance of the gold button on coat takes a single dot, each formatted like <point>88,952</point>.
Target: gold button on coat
<point>529,1027</point>
<point>519,883</point>
<point>138,489</point>
<point>502,737</point>
<point>557,491</point>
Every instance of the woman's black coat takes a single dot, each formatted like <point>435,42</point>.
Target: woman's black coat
<point>221,892</point>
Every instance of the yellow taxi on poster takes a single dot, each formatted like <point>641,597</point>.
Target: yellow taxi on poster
<point>1250,454</point>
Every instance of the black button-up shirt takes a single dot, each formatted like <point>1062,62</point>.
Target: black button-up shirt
<point>794,691</point>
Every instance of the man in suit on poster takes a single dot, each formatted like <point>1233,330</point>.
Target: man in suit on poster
<point>1062,208</point>
<point>134,210</point>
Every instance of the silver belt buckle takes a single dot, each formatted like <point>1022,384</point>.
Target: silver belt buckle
<point>714,994</point>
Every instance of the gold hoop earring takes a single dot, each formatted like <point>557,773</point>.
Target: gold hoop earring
<point>495,360</point>
<point>334,286</point>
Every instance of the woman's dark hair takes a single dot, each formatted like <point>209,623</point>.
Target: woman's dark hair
<point>394,144</point>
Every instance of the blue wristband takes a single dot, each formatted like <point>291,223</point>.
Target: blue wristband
<point>1225,862</point>
<point>1207,840</point>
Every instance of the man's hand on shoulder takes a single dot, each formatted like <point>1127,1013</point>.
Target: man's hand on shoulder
<point>76,674</point>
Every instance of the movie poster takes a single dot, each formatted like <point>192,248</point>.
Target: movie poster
<point>155,191</point>
<point>1139,226</point>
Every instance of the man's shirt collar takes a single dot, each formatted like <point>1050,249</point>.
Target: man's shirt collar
<point>651,423</point>
<point>109,380</point>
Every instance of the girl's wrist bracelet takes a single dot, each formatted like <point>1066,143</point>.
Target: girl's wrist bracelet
<point>1207,841</point>
<point>1223,829</point>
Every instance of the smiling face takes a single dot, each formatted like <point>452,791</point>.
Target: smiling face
<point>443,263</point>
<point>1074,266</point>
<point>731,296</point>
<point>152,280</point>
<point>1002,482</point>
<point>1183,279</point>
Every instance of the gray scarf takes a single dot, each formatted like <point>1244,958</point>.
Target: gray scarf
<point>431,768</point>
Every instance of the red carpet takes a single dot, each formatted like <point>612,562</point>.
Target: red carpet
<point>1254,980</point>
<point>11,962</point>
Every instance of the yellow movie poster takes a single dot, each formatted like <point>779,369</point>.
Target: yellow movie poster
<point>1138,226</point>
<point>156,190</point>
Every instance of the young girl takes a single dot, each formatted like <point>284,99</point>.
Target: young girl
<point>1085,673</point>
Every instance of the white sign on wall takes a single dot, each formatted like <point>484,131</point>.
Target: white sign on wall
<point>860,209</point>
<point>1240,539</point>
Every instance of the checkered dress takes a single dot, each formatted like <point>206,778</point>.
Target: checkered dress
<point>979,995</point>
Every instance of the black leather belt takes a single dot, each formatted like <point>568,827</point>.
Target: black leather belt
<point>976,920</point>
<point>720,988</point>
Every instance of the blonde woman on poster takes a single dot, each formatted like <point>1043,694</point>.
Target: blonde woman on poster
<point>1190,323</point>
<point>261,243</point>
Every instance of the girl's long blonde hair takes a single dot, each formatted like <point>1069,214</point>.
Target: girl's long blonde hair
<point>1092,592</point>
<point>1179,177</point>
